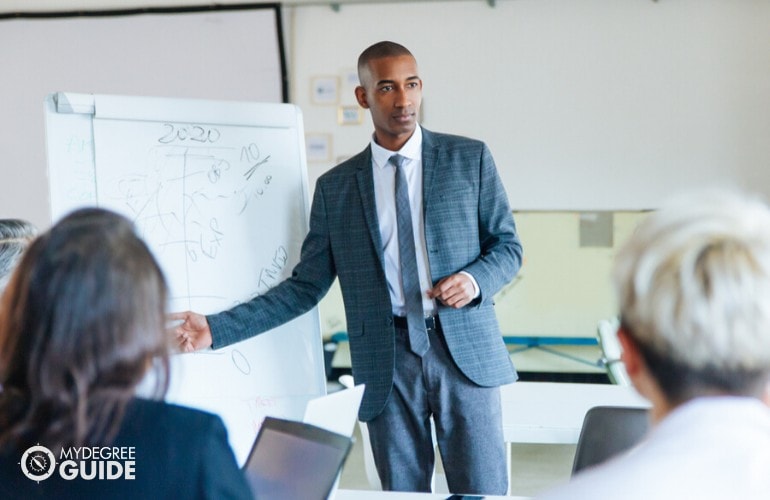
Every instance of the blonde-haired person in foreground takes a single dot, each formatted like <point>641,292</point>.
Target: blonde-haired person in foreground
<point>693,286</point>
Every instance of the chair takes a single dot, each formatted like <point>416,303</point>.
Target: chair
<point>607,331</point>
<point>438,482</point>
<point>608,431</point>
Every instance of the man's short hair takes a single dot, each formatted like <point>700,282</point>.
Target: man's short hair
<point>693,286</point>
<point>378,51</point>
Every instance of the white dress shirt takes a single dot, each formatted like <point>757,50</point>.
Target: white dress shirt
<point>711,448</point>
<point>384,195</point>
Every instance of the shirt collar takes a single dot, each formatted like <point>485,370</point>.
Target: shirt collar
<point>412,149</point>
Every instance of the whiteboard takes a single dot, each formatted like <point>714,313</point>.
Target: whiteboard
<point>218,190</point>
<point>211,53</point>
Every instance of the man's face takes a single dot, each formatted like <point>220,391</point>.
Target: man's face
<point>391,90</point>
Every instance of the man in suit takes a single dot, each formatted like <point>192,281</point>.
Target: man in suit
<point>420,243</point>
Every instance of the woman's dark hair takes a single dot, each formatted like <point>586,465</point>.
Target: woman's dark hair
<point>82,321</point>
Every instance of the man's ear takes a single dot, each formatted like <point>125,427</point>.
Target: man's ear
<point>361,97</point>
<point>643,381</point>
<point>630,353</point>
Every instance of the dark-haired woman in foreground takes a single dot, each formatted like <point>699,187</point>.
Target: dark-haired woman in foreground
<point>81,324</point>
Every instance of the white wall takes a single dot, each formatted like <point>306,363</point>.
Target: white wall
<point>596,104</point>
<point>617,102</point>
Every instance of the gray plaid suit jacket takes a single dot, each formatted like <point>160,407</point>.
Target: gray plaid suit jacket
<point>468,226</point>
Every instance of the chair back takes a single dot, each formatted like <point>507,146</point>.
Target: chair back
<point>608,431</point>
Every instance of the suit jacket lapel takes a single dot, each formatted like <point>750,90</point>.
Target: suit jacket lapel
<point>430,161</point>
<point>365,178</point>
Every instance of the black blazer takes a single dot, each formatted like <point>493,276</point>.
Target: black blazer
<point>180,453</point>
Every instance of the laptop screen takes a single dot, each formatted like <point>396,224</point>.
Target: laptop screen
<point>293,460</point>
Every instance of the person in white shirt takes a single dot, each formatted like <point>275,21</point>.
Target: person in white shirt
<point>693,287</point>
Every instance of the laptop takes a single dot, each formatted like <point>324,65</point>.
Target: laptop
<point>295,461</point>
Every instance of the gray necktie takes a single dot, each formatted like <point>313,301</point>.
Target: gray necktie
<point>418,335</point>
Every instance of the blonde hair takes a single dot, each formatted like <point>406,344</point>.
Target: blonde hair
<point>693,284</point>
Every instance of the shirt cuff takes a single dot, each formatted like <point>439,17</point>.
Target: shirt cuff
<point>476,290</point>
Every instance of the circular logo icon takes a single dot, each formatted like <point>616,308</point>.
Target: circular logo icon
<point>38,463</point>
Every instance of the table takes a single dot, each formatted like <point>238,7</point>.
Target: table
<point>553,412</point>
